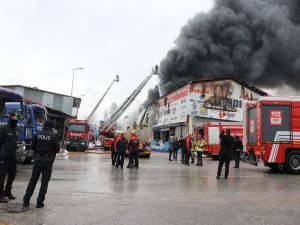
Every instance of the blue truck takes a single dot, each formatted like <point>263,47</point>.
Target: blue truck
<point>32,118</point>
<point>8,97</point>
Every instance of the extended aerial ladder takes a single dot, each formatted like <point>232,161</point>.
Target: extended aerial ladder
<point>118,113</point>
<point>117,79</point>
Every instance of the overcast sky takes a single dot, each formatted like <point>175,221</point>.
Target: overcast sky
<point>41,42</point>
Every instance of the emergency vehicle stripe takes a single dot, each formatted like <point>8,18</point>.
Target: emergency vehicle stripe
<point>282,136</point>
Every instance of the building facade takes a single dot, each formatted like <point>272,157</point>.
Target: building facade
<point>211,100</point>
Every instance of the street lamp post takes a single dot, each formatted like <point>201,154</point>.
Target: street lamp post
<point>79,68</point>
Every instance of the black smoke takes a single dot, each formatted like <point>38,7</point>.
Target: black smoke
<point>255,40</point>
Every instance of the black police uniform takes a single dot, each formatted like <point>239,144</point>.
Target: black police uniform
<point>121,150</point>
<point>227,143</point>
<point>8,164</point>
<point>45,146</point>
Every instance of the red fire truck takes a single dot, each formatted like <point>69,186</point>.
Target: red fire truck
<point>211,132</point>
<point>273,131</point>
<point>77,136</point>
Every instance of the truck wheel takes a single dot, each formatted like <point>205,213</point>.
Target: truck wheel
<point>292,162</point>
<point>215,157</point>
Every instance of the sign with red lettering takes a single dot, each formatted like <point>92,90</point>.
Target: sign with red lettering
<point>276,117</point>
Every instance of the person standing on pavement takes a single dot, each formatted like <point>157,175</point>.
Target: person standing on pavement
<point>8,162</point>
<point>133,147</point>
<point>176,148</point>
<point>188,143</point>
<point>45,146</point>
<point>227,143</point>
<point>113,150</point>
<point>238,148</point>
<point>121,146</point>
<point>171,148</point>
<point>200,144</point>
<point>193,149</point>
<point>182,145</point>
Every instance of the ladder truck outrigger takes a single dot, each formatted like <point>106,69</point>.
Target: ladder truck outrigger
<point>142,130</point>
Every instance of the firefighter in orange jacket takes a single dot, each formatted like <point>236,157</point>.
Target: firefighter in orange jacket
<point>188,149</point>
<point>133,148</point>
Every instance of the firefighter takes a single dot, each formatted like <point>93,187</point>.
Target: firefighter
<point>45,146</point>
<point>133,148</point>
<point>188,144</point>
<point>199,146</point>
<point>227,143</point>
<point>171,148</point>
<point>121,146</point>
<point>176,148</point>
<point>113,150</point>
<point>238,148</point>
<point>8,162</point>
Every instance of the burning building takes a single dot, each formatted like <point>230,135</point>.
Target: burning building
<point>199,101</point>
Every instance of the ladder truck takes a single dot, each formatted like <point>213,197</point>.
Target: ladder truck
<point>108,125</point>
<point>78,131</point>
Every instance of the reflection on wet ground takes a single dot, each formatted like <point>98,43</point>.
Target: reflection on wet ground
<point>86,189</point>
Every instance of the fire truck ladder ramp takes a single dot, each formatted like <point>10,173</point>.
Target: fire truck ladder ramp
<point>128,101</point>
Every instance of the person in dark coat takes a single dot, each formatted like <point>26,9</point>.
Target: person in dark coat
<point>113,151</point>
<point>176,148</point>
<point>45,146</point>
<point>238,148</point>
<point>171,148</point>
<point>227,143</point>
<point>182,146</point>
<point>121,146</point>
<point>8,162</point>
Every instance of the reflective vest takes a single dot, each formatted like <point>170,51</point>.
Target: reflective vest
<point>200,144</point>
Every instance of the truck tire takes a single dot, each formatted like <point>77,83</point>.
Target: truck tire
<point>292,162</point>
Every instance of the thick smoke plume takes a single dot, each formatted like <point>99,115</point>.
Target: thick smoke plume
<point>256,40</point>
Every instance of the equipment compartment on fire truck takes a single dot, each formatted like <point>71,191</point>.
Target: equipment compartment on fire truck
<point>274,132</point>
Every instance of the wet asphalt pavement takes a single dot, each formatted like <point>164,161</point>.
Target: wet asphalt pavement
<point>86,189</point>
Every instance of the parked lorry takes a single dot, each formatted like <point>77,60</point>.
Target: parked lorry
<point>8,97</point>
<point>211,132</point>
<point>273,131</point>
<point>34,115</point>
<point>78,135</point>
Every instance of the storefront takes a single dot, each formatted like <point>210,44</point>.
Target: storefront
<point>212,100</point>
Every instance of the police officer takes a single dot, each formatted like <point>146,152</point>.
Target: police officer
<point>121,146</point>
<point>238,148</point>
<point>8,163</point>
<point>227,143</point>
<point>133,148</point>
<point>45,146</point>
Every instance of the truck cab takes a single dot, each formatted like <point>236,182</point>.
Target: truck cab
<point>77,136</point>
<point>11,98</point>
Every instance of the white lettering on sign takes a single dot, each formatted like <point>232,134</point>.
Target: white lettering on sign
<point>276,117</point>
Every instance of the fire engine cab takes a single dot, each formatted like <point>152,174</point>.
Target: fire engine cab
<point>273,131</point>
